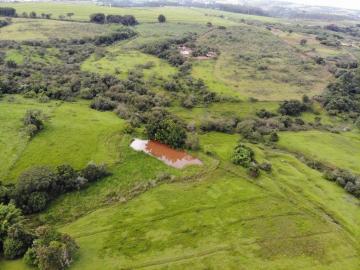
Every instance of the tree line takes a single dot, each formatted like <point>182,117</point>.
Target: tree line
<point>101,18</point>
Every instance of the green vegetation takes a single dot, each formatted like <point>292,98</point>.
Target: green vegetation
<point>30,29</point>
<point>338,150</point>
<point>269,106</point>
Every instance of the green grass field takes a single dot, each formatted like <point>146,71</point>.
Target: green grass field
<point>339,150</point>
<point>144,15</point>
<point>93,136</point>
<point>39,29</point>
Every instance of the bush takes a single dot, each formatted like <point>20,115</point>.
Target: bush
<point>161,18</point>
<point>93,172</point>
<point>253,170</point>
<point>265,166</point>
<point>97,18</point>
<point>265,114</point>
<point>33,122</point>
<point>274,137</point>
<point>192,142</point>
<point>292,107</point>
<point>15,247</point>
<point>51,250</point>
<point>102,104</point>
<point>243,155</point>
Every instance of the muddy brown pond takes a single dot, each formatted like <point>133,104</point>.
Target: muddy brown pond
<point>175,158</point>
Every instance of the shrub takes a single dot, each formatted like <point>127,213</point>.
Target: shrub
<point>33,122</point>
<point>265,166</point>
<point>13,248</point>
<point>51,250</point>
<point>265,114</point>
<point>94,172</point>
<point>97,18</point>
<point>243,155</point>
<point>274,137</point>
<point>292,107</point>
<point>102,104</point>
<point>192,142</point>
<point>253,170</point>
<point>161,18</point>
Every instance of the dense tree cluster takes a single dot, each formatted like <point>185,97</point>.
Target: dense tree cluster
<point>51,250</point>
<point>101,18</point>
<point>168,49</point>
<point>37,186</point>
<point>15,238</point>
<point>4,23</point>
<point>167,130</point>
<point>292,107</point>
<point>62,79</point>
<point>342,96</point>
<point>45,249</point>
<point>7,11</point>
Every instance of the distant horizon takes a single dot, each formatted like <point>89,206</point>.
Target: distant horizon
<point>347,4</point>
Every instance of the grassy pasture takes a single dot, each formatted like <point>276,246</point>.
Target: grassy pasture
<point>340,150</point>
<point>255,63</point>
<point>226,220</point>
<point>39,29</point>
<point>224,215</point>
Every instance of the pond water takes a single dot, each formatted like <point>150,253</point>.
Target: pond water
<point>172,157</point>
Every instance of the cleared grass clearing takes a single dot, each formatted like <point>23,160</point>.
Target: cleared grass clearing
<point>152,32</point>
<point>40,29</point>
<point>143,14</point>
<point>339,150</point>
<point>12,138</point>
<point>312,47</point>
<point>74,134</point>
<point>28,54</point>
<point>118,61</point>
<point>223,109</point>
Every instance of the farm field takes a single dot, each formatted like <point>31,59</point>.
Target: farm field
<point>244,94</point>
